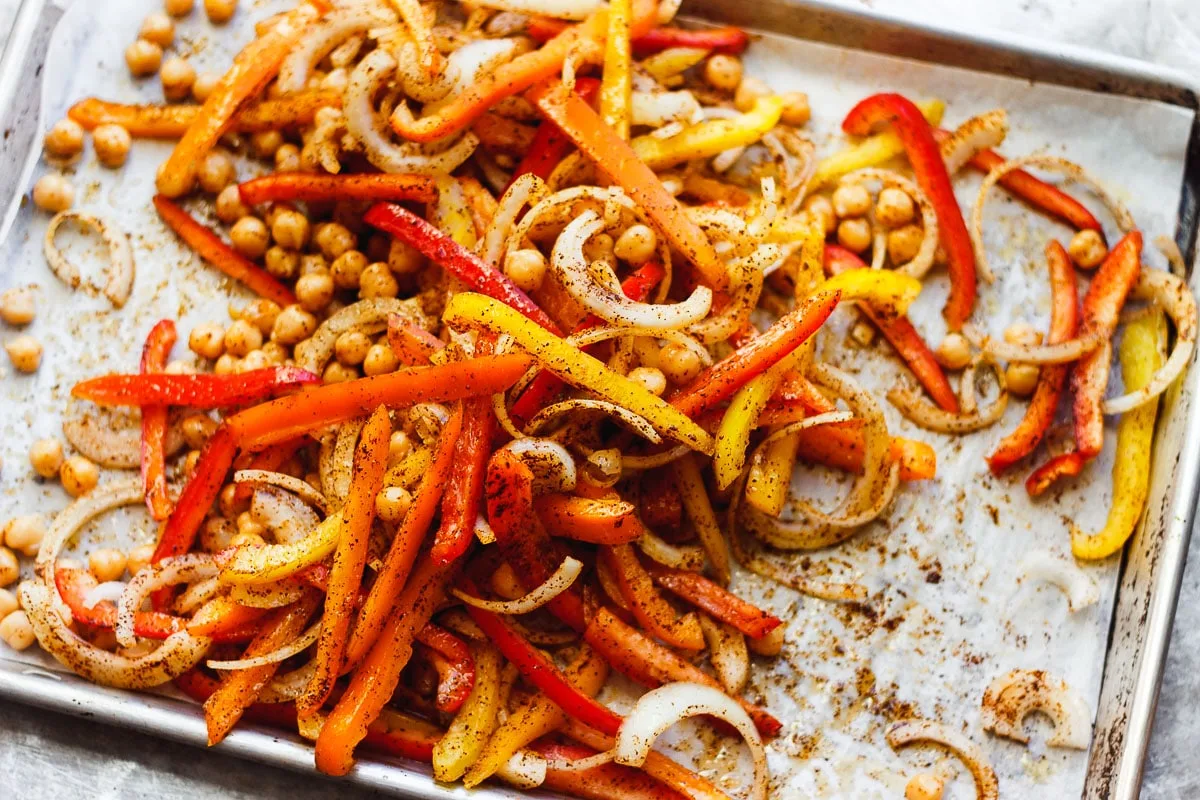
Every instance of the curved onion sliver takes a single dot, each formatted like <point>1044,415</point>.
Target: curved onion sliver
<point>288,686</point>
<point>982,132</point>
<point>551,588</point>
<point>1011,697</point>
<point>367,316</point>
<point>469,64</point>
<point>528,189</point>
<point>913,405</point>
<point>656,109</point>
<point>524,770</point>
<point>639,425</point>
<point>583,764</point>
<point>552,466</point>
<point>727,648</point>
<point>1061,353</point>
<point>687,557</point>
<point>323,37</point>
<point>120,269</point>
<point>111,436</point>
<point>911,731</point>
<point>186,568</point>
<point>1042,565</point>
<point>301,643</point>
<point>289,483</point>
<point>124,492</point>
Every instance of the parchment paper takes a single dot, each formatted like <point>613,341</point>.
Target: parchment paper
<point>946,613</point>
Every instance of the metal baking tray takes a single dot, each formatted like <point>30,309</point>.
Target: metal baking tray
<point>1153,563</point>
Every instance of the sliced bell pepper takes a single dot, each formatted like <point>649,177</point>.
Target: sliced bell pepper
<point>873,151</point>
<point>154,424</point>
<point>451,256</point>
<point>770,477</point>
<point>1141,350</point>
<point>616,85</point>
<point>843,447</point>
<point>199,686</point>
<point>269,460</point>
<point>550,146</point>
<point>1066,465</point>
<point>606,521</point>
<point>239,689</point>
<point>210,248</point>
<point>574,366</point>
<point>659,502</point>
<point>402,553</point>
<point>172,121</point>
<point>468,733</point>
<point>930,171</point>
<point>273,562</point>
<point>288,417</point>
<point>456,666</point>
<point>609,781</point>
<point>308,188</point>
<point>221,616</point>
<point>1064,323</point>
<point>707,139</point>
<point>401,735</point>
<point>650,609</point>
<point>411,343</point>
<point>715,600</point>
<point>503,135</point>
<point>253,68</point>
<point>349,560</point>
<point>621,164</point>
<point>694,495</point>
<point>463,497</point>
<point>200,390</point>
<point>730,40</point>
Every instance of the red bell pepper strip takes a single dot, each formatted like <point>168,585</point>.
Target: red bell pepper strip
<point>1064,322</point>
<point>1101,310</point>
<point>714,599</point>
<point>454,663</point>
<point>201,390</point>
<point>539,670</point>
<point>411,343</point>
<point>463,498</point>
<point>617,160</point>
<point>289,417</point>
<point>1067,465</point>
<point>722,380</point>
<point>210,248</point>
<point>550,146</point>
<point>308,187</point>
<point>796,387</point>
<point>900,333</point>
<point>221,616</point>
<point>269,460</point>
<point>599,521</point>
<point>1039,194</point>
<point>154,424</point>
<point>659,501</point>
<point>930,171</point>
<point>455,259</point>
<point>730,40</point>
<point>648,607</point>
<point>609,781</point>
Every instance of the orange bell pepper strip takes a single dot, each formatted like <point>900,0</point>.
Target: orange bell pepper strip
<point>201,390</point>
<point>843,447</point>
<point>715,600</point>
<point>154,424</point>
<point>210,248</point>
<point>253,68</point>
<point>454,664</point>
<point>402,553</point>
<point>239,689</point>
<point>1066,465</point>
<point>172,121</point>
<point>411,343</point>
<point>375,679</point>
<point>796,387</point>
<point>200,686</point>
<point>649,607</point>
<point>1064,323</point>
<point>616,159</point>
<point>660,503</point>
<point>349,560</point>
<point>609,781</point>
<point>925,156</point>
<point>722,380</point>
<point>603,521</point>
<point>221,615</point>
<point>288,417</point>
<point>308,187</point>
<point>549,146</point>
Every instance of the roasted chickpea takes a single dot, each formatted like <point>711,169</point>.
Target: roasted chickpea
<point>225,365</point>
<point>220,11</point>
<point>723,72</point>
<point>1021,379</point>
<point>8,603</point>
<point>526,268</point>
<point>351,347</point>
<point>178,77</point>
<point>287,158</point>
<point>24,534</point>
<point>204,85</point>
<point>282,263</point>
<point>17,306</point>
<point>904,243</point>
<point>111,143</point>
<point>107,564</point>
<point>241,337</point>
<point>249,237</point>
<point>636,245</point>
<point>265,144</point>
<point>314,291</point>
<point>275,353</point>
<point>399,447</point>
<point>649,377</point>
<point>821,208</point>
<point>79,476</point>
<point>46,457</point>
<point>924,786</point>
<point>1087,249</point>
<point>347,269</point>
<point>143,58</point>
<point>377,281</point>
<point>261,313</point>
<point>1022,333</point>
<point>894,208</point>
<point>207,340</point>
<point>17,631</point>
<point>338,373</point>
<point>53,193</point>
<point>293,325</point>
<point>64,140</point>
<point>197,429</point>
<point>404,259</point>
<point>139,558</point>
<point>25,352</point>
<point>230,504</point>
<point>178,8</point>
<point>851,200</point>
<point>158,28</point>
<point>679,364</point>
<point>854,234</point>
<point>333,239</point>
<point>380,360</point>
<point>178,366</point>
<point>290,229</point>
<point>393,503</point>
<point>216,171</point>
<point>748,92</point>
<point>954,352</point>
<point>796,110</point>
<point>229,205</point>
<point>10,569</point>
<point>247,525</point>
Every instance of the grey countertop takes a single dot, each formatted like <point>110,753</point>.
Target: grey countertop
<point>45,756</point>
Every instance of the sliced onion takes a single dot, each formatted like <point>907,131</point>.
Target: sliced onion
<point>637,424</point>
<point>552,466</point>
<point>1170,250</point>
<point>983,132</point>
<point>1061,353</point>
<point>553,586</point>
<point>656,109</point>
<point>1042,565</point>
<point>1172,294</point>
<point>109,590</point>
<point>366,316</point>
<point>266,595</point>
<point>746,276</point>
<point>654,460</point>
<point>470,64</point>
<point>528,189</point>
<point>301,643</point>
<point>120,269</point>
<point>322,37</point>
<point>285,515</point>
<point>289,483</point>
<point>286,687</point>
<point>1011,697</point>
<point>921,263</point>
<point>690,558</point>
<point>559,9</point>
<point>103,498</point>
<point>112,436</point>
<point>170,571</point>
<point>483,531</point>
<point>582,764</point>
<point>336,463</point>
<point>913,405</point>
<point>659,709</point>
<point>197,595</point>
<point>911,731</point>
<point>727,649</point>
<point>524,769</point>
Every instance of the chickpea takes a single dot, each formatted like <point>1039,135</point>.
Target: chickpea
<point>924,786</point>
<point>679,364</point>
<point>177,77</point>
<point>139,558</point>
<point>64,139</point>
<point>16,305</point>
<point>821,208</point>
<point>229,205</point>
<point>17,631</point>
<point>290,229</point>
<point>954,352</point>
<point>894,208</point>
<point>204,85</point>
<point>241,337</point>
<point>157,28</point>
<point>599,248</point>
<point>264,144</point>
<point>796,110</point>
<point>10,568</point>
<point>748,92</point>
<point>636,245</point>
<point>216,171</point>
<point>179,8</point>
<point>404,259</point>
<point>287,158</point>
<point>250,540</point>
<point>220,11</point>
<point>399,447</point>
<point>723,72</point>
<point>225,365</point>
<point>46,457</point>
<point>854,234</point>
<point>293,325</point>
<point>851,200</point>
<point>377,281</point>
<point>275,353</point>
<point>229,504</point>
<point>904,243</point>
<point>179,367</point>
<point>315,290</point>
<point>333,239</point>
<point>112,143</point>
<point>282,263</point>
<point>313,263</point>
<point>207,340</point>
<point>261,313</point>
<point>24,534</point>
<point>249,237</point>
<point>247,525</point>
<point>197,429</point>
<point>1021,379</point>
<point>8,603</point>
<point>53,193</point>
<point>351,347</point>
<point>347,269</point>
<point>393,503</point>
<point>255,359</point>
<point>526,268</point>
<point>25,352</point>
<point>338,373</point>
<point>107,564</point>
<point>1022,333</point>
<point>649,377</point>
<point>79,476</point>
<point>143,58</point>
<point>380,360</point>
<point>1087,249</point>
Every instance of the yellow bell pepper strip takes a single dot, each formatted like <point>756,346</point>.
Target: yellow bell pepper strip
<point>268,563</point>
<point>872,151</point>
<point>605,520</point>
<point>349,561</point>
<point>468,733</point>
<point>672,62</point>
<point>288,417</point>
<point>708,138</point>
<point>172,121</point>
<point>770,477</point>
<point>616,83</point>
<point>616,159</point>
<point>696,503</point>
<point>539,717</point>
<point>1141,357</point>
<point>470,310</point>
<point>253,68</point>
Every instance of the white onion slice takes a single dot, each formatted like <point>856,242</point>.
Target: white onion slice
<point>582,764</point>
<point>983,132</point>
<point>659,709</point>
<point>727,649</point>
<point>286,516</point>
<point>197,595</point>
<point>524,770</point>
<point>105,497</point>
<point>321,39</point>
<point>639,425</point>
<point>915,407</point>
<point>301,643</point>
<point>690,557</point>
<point>553,586</point>
<point>911,731</point>
<point>120,270</point>
<point>1042,565</point>
<point>111,435</point>
<point>469,64</point>
<point>656,109</point>
<point>109,590</point>
<point>288,686</point>
<point>552,465</point>
<point>302,489</point>
<point>1011,697</point>
<point>528,189</point>
<point>185,568</point>
<point>366,316</point>
<point>1061,353</point>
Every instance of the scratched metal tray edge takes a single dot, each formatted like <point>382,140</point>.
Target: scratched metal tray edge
<point>1153,563</point>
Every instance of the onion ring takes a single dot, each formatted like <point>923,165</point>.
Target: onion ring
<point>119,274</point>
<point>301,488</point>
<point>186,568</point>
<point>299,645</point>
<point>911,731</point>
<point>913,405</point>
<point>1011,697</point>
<point>1061,353</point>
<point>552,587</point>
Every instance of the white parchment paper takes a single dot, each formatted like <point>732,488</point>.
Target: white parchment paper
<point>946,612</point>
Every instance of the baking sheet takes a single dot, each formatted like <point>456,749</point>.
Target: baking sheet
<point>945,614</point>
